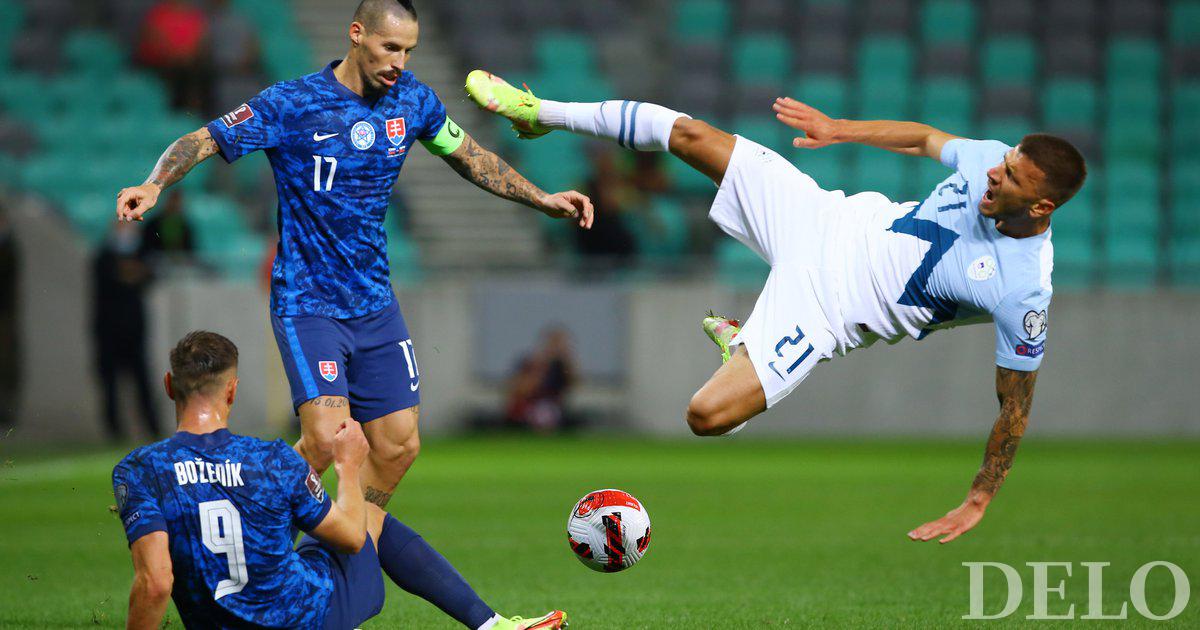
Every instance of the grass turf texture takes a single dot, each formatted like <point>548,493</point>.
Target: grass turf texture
<point>747,534</point>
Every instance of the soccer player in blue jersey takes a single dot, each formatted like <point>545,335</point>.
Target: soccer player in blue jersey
<point>336,140</point>
<point>847,271</point>
<point>210,517</point>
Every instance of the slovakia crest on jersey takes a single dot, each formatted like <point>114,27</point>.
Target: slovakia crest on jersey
<point>396,130</point>
<point>329,370</point>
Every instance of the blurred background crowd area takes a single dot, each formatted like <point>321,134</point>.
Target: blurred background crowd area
<point>94,90</point>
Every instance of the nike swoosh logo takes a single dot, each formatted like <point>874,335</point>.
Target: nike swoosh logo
<point>317,137</point>
<point>414,386</point>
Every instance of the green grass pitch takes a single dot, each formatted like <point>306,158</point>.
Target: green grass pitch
<point>747,534</point>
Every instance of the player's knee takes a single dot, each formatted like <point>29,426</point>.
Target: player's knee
<point>706,416</point>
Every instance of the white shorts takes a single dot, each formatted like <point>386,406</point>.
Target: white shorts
<point>787,219</point>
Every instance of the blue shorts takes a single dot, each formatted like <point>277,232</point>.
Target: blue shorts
<point>357,582</point>
<point>368,359</point>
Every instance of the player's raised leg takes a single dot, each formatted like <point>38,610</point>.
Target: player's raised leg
<point>631,124</point>
<point>732,395</point>
<point>395,443</point>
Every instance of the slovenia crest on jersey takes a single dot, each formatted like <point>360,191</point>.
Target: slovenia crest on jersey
<point>362,135</point>
<point>396,130</point>
<point>329,370</point>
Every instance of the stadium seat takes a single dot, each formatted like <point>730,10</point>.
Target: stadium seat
<point>1132,194</point>
<point>828,166</point>
<point>556,162</point>
<point>948,104</point>
<point>1006,130</point>
<point>1133,58</point>
<point>706,20</point>
<point>1185,120</point>
<point>929,174</point>
<point>1069,104</point>
<point>884,98</point>
<point>826,92</point>
<point>761,59</point>
<point>738,266</point>
<point>687,181</point>
<point>765,130</point>
<point>564,53</point>
<point>661,230</point>
<point>883,58</point>
<point>1184,262</point>
<point>93,53</point>
<point>1184,22</point>
<point>1009,60</point>
<point>1133,139</point>
<point>948,21</point>
<point>881,171</point>
<point>1184,202</point>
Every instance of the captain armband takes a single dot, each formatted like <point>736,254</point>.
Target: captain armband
<point>447,140</point>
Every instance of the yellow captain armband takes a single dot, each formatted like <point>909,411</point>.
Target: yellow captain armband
<point>447,140</point>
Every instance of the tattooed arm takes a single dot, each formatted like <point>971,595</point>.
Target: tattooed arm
<point>175,162</point>
<point>491,173</point>
<point>1014,388</point>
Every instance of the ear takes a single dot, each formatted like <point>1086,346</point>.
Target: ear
<point>356,33</point>
<point>231,391</point>
<point>1043,208</point>
<point>168,387</point>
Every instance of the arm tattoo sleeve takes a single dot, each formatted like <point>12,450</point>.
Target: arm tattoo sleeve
<point>1015,391</point>
<point>181,156</point>
<point>489,172</point>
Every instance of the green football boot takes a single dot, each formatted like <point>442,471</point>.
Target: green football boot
<point>721,330</point>
<point>550,621</point>
<point>494,94</point>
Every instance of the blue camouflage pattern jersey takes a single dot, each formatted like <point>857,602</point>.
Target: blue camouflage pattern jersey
<point>229,504</point>
<point>335,156</point>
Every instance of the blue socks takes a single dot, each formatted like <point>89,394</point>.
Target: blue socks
<point>417,568</point>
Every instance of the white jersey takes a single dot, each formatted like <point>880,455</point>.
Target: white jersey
<point>848,271</point>
<point>910,269</point>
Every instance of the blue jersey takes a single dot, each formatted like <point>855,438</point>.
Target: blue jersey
<point>229,504</point>
<point>941,263</point>
<point>335,156</point>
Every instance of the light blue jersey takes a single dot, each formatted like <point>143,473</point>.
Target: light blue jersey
<point>915,268</point>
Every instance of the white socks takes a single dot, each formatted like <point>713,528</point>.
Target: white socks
<point>634,125</point>
<point>490,623</point>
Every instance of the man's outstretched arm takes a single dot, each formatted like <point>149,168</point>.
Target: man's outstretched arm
<point>491,173</point>
<point>153,580</point>
<point>908,138</point>
<point>1014,388</point>
<point>179,158</point>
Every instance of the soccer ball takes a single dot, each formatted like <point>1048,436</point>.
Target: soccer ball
<point>608,530</point>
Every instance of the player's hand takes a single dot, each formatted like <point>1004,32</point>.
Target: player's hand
<point>819,129</point>
<point>568,205</point>
<point>350,446</point>
<point>134,202</point>
<point>955,523</point>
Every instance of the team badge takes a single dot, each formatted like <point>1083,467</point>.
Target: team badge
<point>121,493</point>
<point>329,370</point>
<point>362,135</point>
<point>396,130</point>
<point>238,116</point>
<point>982,269</point>
<point>1035,324</point>
<point>313,481</point>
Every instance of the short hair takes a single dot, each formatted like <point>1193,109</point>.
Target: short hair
<point>198,360</point>
<point>1062,163</point>
<point>370,13</point>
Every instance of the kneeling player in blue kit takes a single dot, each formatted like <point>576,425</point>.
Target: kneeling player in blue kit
<point>210,517</point>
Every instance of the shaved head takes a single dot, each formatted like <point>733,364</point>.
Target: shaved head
<point>373,13</point>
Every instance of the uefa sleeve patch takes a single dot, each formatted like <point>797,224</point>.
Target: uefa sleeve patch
<point>238,116</point>
<point>313,481</point>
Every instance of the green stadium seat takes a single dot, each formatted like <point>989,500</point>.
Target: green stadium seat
<point>881,171</point>
<point>1080,216</point>
<point>556,162</point>
<point>93,53</point>
<point>1184,200</point>
<point>236,257</point>
<point>929,175</point>
<point>885,57</point>
<point>565,53</point>
<point>825,92</point>
<point>1075,260</point>
<point>1133,58</point>
<point>948,104</point>
<point>661,231</point>
<point>140,94</point>
<point>738,266</point>
<point>91,215</point>
<point>702,20</point>
<point>572,86</point>
<point>1185,261</point>
<point>23,95</point>
<point>1184,22</point>
<point>1010,61</point>
<point>1070,104</point>
<point>884,98</point>
<point>686,180</point>
<point>948,21</point>
<point>1006,130</point>
<point>765,130</point>
<point>1133,139</point>
<point>1133,197</point>
<point>403,256</point>
<point>828,166</point>
<point>1185,119</point>
<point>1140,98</point>
<point>761,59</point>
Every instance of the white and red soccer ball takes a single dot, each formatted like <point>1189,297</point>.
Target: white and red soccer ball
<point>609,530</point>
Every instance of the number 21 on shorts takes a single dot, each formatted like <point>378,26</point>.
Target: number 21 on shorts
<point>791,346</point>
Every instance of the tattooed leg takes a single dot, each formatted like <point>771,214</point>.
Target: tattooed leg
<point>319,422</point>
<point>395,444</point>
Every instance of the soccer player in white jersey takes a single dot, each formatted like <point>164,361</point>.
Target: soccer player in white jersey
<point>847,271</point>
